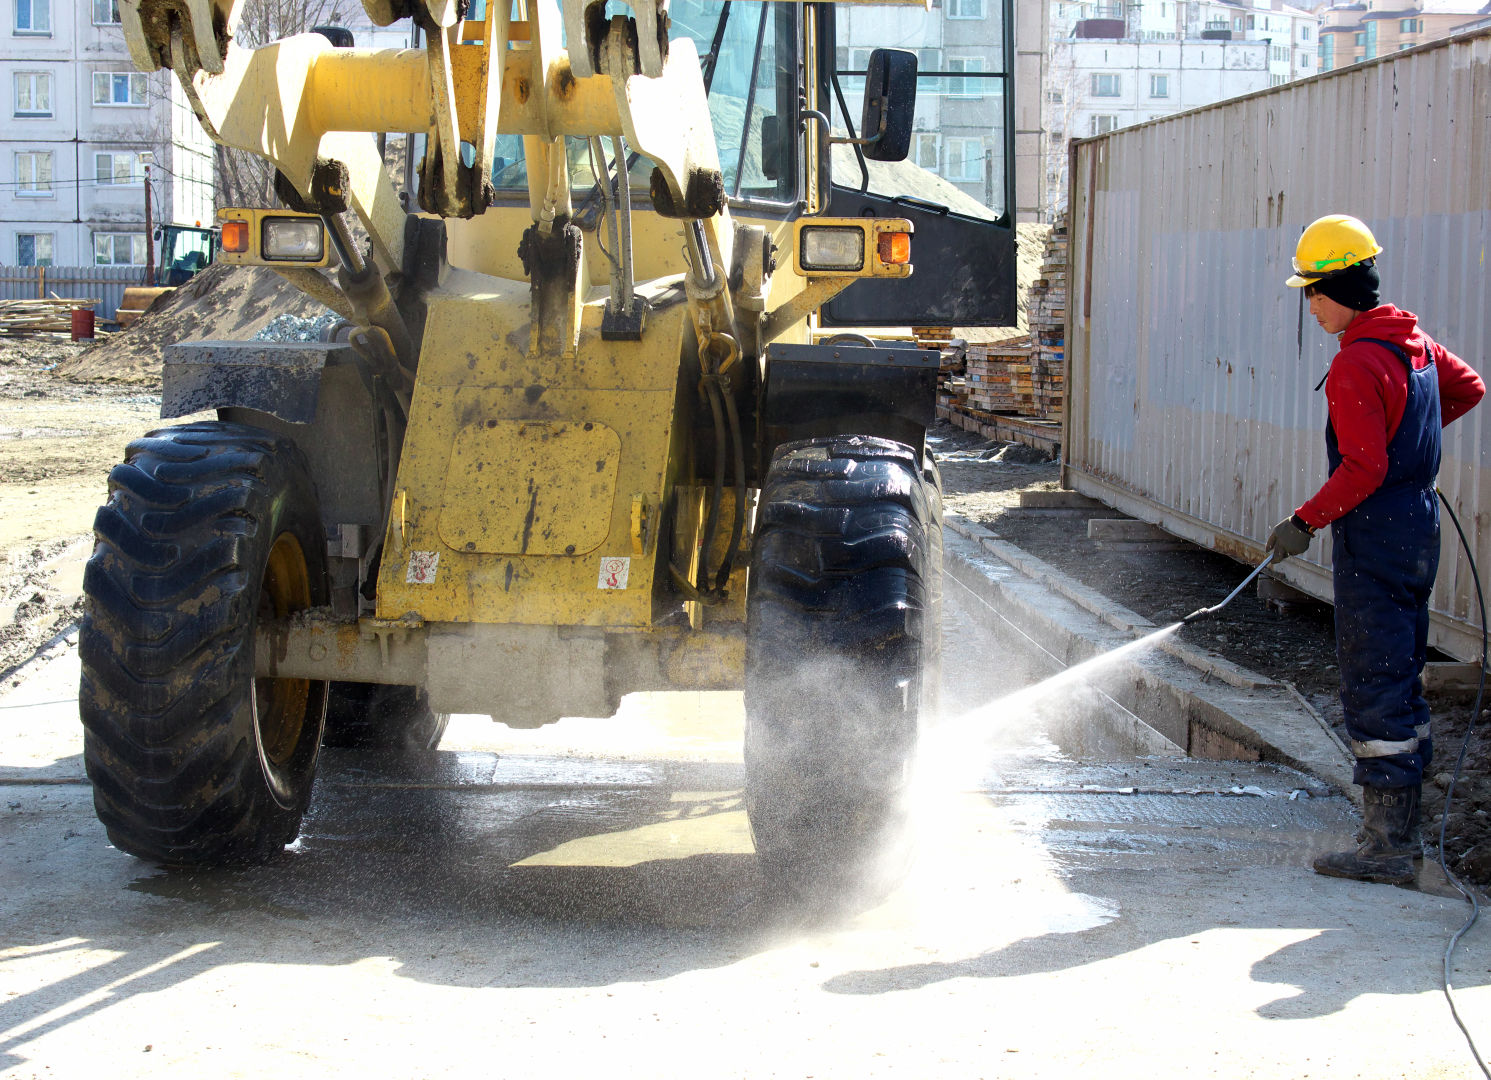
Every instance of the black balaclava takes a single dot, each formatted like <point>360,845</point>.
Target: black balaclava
<point>1355,287</point>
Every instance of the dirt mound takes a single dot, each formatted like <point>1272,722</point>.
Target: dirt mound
<point>222,303</point>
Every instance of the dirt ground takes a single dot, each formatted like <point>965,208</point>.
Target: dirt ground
<point>59,437</point>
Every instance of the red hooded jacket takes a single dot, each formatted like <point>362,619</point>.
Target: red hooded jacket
<point>1367,390</point>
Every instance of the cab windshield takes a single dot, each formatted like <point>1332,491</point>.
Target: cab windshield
<point>747,51</point>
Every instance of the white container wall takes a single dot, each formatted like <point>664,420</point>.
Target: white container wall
<point>1191,365</point>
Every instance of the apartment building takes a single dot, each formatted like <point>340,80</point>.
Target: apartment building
<point>1367,30</point>
<point>1114,64</point>
<point>80,122</point>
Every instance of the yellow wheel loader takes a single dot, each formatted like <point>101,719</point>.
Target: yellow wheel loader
<point>588,430</point>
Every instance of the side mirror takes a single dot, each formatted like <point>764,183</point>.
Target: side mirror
<point>890,100</point>
<point>771,147</point>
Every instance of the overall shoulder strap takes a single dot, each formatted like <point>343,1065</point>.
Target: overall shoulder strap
<point>1396,350</point>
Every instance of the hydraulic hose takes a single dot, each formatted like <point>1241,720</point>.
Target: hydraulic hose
<point>1444,819</point>
<point>722,579</point>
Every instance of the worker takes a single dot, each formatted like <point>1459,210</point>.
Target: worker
<point>1389,391</point>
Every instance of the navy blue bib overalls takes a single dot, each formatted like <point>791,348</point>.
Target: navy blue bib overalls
<point>1385,554</point>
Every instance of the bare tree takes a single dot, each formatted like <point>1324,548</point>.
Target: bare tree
<point>245,179</point>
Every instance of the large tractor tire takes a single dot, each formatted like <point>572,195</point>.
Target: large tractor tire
<point>366,716</point>
<point>843,647</point>
<point>209,527</point>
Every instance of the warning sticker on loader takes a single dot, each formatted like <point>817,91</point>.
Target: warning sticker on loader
<point>422,567</point>
<point>614,572</point>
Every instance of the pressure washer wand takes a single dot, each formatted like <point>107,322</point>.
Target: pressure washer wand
<point>1201,613</point>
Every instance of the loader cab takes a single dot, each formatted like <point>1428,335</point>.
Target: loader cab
<point>185,251</point>
<point>956,184</point>
<point>775,71</point>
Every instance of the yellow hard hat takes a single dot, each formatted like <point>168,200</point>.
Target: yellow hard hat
<point>1330,245</point>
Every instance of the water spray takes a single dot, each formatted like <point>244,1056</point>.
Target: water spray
<point>1202,613</point>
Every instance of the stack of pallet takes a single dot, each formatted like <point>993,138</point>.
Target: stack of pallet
<point>997,377</point>
<point>52,315</point>
<point>1047,315</point>
<point>932,337</point>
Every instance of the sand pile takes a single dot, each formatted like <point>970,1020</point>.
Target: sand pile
<point>222,303</point>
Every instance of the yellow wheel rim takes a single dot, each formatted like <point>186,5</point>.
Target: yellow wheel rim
<point>280,704</point>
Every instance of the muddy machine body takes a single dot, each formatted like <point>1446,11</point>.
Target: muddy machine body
<point>575,438</point>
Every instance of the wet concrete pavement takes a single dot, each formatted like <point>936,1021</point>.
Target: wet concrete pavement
<point>583,898</point>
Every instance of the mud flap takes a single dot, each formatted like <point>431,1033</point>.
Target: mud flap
<point>816,391</point>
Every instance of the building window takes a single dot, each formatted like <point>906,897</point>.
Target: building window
<point>1159,86</point>
<point>965,160</point>
<point>1105,85</point>
<point>34,174</point>
<point>965,9</point>
<point>1371,42</point>
<point>925,150</point>
<point>33,249</point>
<point>119,249</point>
<point>1304,33</point>
<point>1101,125</point>
<point>33,94</point>
<point>965,88</point>
<point>1277,80</point>
<point>1250,23</point>
<point>105,12</point>
<point>1358,39</point>
<point>1053,96</point>
<point>1237,23</point>
<point>118,167</point>
<point>118,88</point>
<point>34,16</point>
<point>1408,26</point>
<point>928,60</point>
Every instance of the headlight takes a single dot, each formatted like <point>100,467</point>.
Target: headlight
<point>832,249</point>
<point>293,239</point>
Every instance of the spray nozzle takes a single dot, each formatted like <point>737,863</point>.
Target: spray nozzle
<point>1201,613</point>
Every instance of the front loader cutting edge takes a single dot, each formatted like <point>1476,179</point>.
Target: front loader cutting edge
<point>573,440</point>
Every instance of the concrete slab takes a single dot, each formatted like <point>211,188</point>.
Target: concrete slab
<point>532,903</point>
<point>1058,500</point>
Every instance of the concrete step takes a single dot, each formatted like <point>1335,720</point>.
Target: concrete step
<point>1199,701</point>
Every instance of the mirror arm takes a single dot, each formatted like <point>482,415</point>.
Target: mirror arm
<point>814,114</point>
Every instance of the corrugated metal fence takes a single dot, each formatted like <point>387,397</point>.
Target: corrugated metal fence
<point>103,283</point>
<point>1191,364</point>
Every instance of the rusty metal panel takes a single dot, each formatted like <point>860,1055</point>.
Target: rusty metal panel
<point>1192,366</point>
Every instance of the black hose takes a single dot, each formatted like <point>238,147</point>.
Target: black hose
<point>723,577</point>
<point>1444,819</point>
<point>712,522</point>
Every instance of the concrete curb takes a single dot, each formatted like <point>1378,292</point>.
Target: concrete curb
<point>1195,701</point>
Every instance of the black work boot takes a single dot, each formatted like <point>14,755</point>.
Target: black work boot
<point>1389,839</point>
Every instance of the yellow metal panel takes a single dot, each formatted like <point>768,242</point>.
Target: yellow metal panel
<point>563,509</point>
<point>475,367</point>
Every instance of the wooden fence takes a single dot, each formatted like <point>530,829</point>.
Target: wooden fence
<point>104,283</point>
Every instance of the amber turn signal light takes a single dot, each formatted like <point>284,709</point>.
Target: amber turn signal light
<point>894,248</point>
<point>235,236</point>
